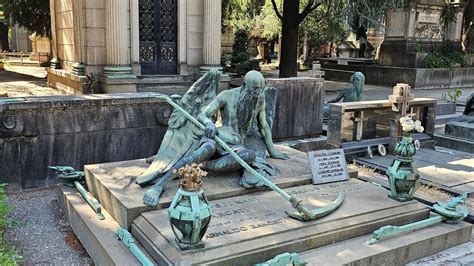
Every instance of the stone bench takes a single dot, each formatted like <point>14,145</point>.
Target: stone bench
<point>362,122</point>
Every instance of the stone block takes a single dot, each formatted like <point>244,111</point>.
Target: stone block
<point>196,7</point>
<point>460,130</point>
<point>253,228</point>
<point>195,55</point>
<point>195,24</point>
<point>95,56</point>
<point>298,108</point>
<point>95,235</point>
<point>63,5</point>
<point>94,4</point>
<point>95,37</point>
<point>195,41</point>
<point>454,143</point>
<point>65,36</point>
<point>113,184</point>
<point>67,54</point>
<point>445,108</point>
<point>64,20</point>
<point>393,251</point>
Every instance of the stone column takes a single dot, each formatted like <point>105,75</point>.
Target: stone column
<point>55,64</point>
<point>211,50</point>
<point>117,40</point>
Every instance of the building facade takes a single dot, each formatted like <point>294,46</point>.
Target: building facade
<point>127,43</point>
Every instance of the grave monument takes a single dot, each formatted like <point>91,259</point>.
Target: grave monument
<point>419,29</point>
<point>246,225</point>
<point>463,126</point>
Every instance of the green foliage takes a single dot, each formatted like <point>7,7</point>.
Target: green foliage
<point>239,14</point>
<point>453,95</point>
<point>449,13</point>
<point>266,24</point>
<point>240,47</point>
<point>240,61</point>
<point>8,254</point>
<point>246,66</point>
<point>322,29</point>
<point>34,15</point>
<point>443,59</point>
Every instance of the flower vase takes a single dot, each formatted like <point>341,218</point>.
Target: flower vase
<point>190,214</point>
<point>402,174</point>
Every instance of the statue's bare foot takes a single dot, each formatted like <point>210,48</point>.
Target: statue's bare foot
<point>152,196</point>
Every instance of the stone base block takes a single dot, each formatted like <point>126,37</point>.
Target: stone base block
<point>454,143</point>
<point>248,229</point>
<point>118,85</point>
<point>113,184</point>
<point>66,83</point>
<point>393,251</point>
<point>460,130</point>
<point>95,235</point>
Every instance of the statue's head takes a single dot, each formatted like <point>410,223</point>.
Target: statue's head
<point>358,81</point>
<point>254,81</point>
<point>250,94</point>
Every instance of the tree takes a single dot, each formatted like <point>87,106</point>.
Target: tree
<point>295,11</point>
<point>33,15</point>
<point>469,26</point>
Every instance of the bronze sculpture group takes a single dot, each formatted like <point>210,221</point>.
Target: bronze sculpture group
<point>350,94</point>
<point>238,116</point>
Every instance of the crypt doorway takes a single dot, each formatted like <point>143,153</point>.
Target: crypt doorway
<point>158,36</point>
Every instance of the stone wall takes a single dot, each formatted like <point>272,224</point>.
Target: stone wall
<point>75,130</point>
<point>64,19</point>
<point>418,78</point>
<point>36,132</point>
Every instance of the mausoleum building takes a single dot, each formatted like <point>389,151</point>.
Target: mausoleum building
<point>129,45</point>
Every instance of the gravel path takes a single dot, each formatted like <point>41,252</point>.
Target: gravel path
<point>23,81</point>
<point>43,235</point>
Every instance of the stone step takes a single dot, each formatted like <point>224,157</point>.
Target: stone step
<point>443,119</point>
<point>454,143</point>
<point>166,84</point>
<point>253,228</point>
<point>95,235</point>
<point>445,108</point>
<point>113,184</point>
<point>392,251</point>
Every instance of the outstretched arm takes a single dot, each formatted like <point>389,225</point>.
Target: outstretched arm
<point>267,135</point>
<point>208,112</point>
<point>338,98</point>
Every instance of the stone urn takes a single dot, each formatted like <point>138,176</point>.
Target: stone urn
<point>402,174</point>
<point>190,211</point>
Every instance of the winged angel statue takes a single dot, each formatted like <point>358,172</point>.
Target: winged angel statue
<point>242,117</point>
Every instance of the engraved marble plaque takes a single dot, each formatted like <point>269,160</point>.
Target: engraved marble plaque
<point>432,18</point>
<point>328,166</point>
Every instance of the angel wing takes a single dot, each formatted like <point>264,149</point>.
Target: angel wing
<point>182,136</point>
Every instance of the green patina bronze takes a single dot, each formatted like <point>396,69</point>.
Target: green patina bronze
<point>244,126</point>
<point>302,213</point>
<point>351,94</point>
<point>284,260</point>
<point>402,174</point>
<point>125,236</point>
<point>12,100</point>
<point>190,214</point>
<point>448,213</point>
<point>74,178</point>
